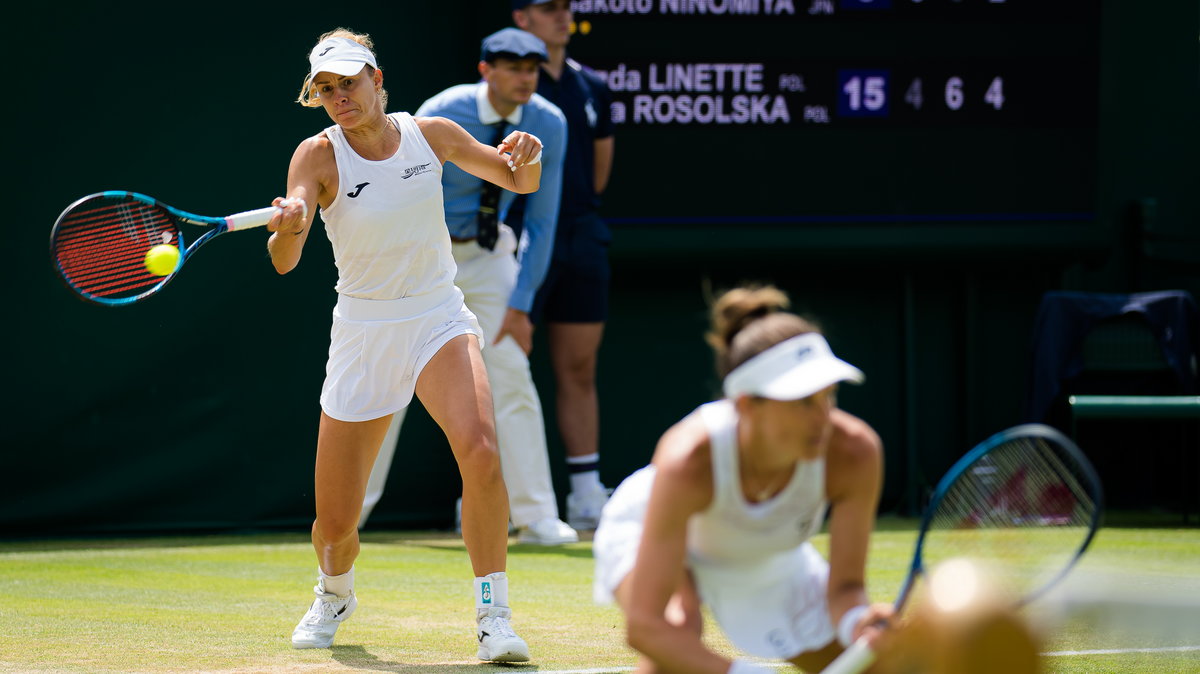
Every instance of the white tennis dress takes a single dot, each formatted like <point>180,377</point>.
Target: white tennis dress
<point>753,565</point>
<point>397,303</point>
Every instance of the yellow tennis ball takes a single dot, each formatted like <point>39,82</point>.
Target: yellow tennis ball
<point>162,260</point>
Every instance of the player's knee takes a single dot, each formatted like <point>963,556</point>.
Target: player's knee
<point>478,458</point>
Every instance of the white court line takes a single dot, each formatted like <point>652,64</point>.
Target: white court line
<point>1119,651</point>
<point>600,670</point>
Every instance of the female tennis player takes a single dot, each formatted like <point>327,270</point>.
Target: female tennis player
<point>400,326</point>
<point>724,512</point>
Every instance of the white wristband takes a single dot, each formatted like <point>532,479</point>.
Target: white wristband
<point>538,158</point>
<point>741,666</point>
<point>845,630</point>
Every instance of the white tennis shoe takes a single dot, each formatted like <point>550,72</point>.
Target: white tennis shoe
<point>550,531</point>
<point>317,627</point>
<point>497,640</point>
<point>583,508</point>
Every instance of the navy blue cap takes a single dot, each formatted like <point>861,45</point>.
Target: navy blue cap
<point>512,43</point>
<point>522,4</point>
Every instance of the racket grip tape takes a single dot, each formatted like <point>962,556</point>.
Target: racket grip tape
<point>853,660</point>
<point>257,217</point>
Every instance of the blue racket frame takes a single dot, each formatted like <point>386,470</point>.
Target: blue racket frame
<point>968,460</point>
<point>217,225</point>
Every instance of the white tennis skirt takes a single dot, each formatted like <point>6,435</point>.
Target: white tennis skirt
<point>772,607</point>
<point>377,349</point>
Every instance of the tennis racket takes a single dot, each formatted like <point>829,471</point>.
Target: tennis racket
<point>1025,500</point>
<point>99,243</point>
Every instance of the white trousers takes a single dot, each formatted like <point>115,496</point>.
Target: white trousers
<point>487,279</point>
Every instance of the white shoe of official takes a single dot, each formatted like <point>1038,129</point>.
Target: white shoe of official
<point>497,640</point>
<point>550,531</point>
<point>583,508</point>
<point>317,627</point>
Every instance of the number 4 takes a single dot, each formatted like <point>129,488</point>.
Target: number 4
<point>913,95</point>
<point>995,93</point>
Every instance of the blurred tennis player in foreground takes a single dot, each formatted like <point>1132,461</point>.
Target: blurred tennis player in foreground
<point>961,623</point>
<point>735,490</point>
<point>400,325</point>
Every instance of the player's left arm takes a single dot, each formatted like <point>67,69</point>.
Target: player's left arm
<point>507,165</point>
<point>682,487</point>
<point>854,479</point>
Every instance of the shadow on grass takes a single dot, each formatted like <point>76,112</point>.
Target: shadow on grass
<point>579,550</point>
<point>438,540</point>
<point>359,658</point>
<point>154,540</point>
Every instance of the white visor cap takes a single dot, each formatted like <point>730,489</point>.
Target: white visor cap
<point>790,370</point>
<point>340,56</point>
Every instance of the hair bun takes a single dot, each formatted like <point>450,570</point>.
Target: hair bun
<point>739,307</point>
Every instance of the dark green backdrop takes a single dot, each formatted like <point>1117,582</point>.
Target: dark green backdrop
<point>198,409</point>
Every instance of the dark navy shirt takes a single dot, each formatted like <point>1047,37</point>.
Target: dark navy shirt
<point>585,100</point>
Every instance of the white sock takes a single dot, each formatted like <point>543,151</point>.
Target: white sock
<point>339,585</point>
<point>491,591</point>
<point>585,473</point>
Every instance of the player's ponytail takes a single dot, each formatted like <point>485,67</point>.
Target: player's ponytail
<point>749,320</point>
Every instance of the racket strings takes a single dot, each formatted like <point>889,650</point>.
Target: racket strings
<point>1022,507</point>
<point>100,246</point>
<point>1023,483</point>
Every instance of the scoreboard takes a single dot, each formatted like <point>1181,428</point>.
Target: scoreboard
<point>793,112</point>
<point>825,93</point>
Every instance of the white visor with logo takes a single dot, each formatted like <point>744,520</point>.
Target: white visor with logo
<point>790,370</point>
<point>340,56</point>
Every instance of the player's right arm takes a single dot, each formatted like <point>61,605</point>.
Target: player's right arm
<point>309,174</point>
<point>682,487</point>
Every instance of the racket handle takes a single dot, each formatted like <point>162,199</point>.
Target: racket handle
<point>853,660</point>
<point>258,217</point>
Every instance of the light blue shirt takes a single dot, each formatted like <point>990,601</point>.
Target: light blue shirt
<point>468,105</point>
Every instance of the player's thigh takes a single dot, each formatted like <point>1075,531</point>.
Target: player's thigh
<point>453,387</point>
<point>346,450</point>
